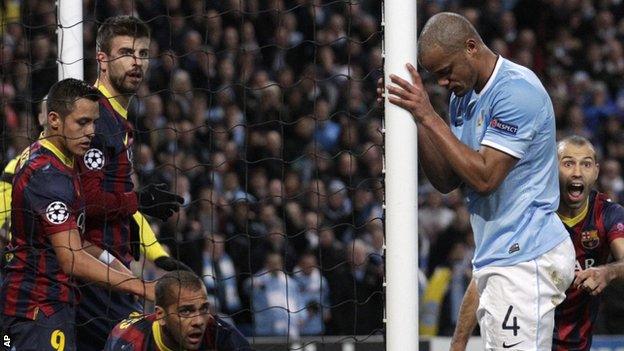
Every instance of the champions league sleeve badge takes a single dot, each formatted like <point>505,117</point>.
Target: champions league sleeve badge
<point>94,159</point>
<point>57,212</point>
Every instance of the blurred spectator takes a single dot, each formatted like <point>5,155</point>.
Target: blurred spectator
<point>275,299</point>
<point>339,210</point>
<point>358,300</point>
<point>314,292</point>
<point>434,216</point>
<point>220,276</point>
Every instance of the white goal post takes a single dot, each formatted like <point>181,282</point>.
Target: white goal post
<point>401,184</point>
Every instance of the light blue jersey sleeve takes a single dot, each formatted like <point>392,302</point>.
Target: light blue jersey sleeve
<point>515,114</point>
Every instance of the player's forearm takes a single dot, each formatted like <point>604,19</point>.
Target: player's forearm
<point>98,252</point>
<point>469,165</point>
<point>615,270</point>
<point>87,267</point>
<point>467,319</point>
<point>436,167</point>
<point>106,205</point>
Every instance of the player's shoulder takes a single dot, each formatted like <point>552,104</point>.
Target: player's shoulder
<point>227,336</point>
<point>516,81</point>
<point>43,164</point>
<point>613,212</point>
<point>135,321</point>
<point>130,334</point>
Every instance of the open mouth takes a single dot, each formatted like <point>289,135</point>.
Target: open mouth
<point>195,337</point>
<point>575,191</point>
<point>135,74</point>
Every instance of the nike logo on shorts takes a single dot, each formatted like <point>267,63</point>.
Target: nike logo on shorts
<point>505,346</point>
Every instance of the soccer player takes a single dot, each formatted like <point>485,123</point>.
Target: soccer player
<point>500,149</point>
<point>113,222</point>
<point>596,226</point>
<point>37,296</point>
<point>182,321</point>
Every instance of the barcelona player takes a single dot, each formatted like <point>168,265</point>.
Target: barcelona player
<point>37,295</point>
<point>113,222</point>
<point>182,321</point>
<point>596,226</point>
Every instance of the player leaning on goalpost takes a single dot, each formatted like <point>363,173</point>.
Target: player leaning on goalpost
<point>500,148</point>
<point>182,321</point>
<point>596,226</point>
<point>38,296</point>
<point>105,172</point>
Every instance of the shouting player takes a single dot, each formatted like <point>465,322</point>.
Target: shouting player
<point>37,296</point>
<point>182,321</point>
<point>111,204</point>
<point>596,226</point>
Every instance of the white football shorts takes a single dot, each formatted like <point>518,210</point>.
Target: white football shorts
<point>517,303</point>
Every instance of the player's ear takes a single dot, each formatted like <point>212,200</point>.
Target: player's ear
<point>102,60</point>
<point>160,315</point>
<point>471,46</point>
<point>54,120</point>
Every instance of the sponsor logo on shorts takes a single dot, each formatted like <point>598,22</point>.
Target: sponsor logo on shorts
<point>505,346</point>
<point>590,239</point>
<point>504,127</point>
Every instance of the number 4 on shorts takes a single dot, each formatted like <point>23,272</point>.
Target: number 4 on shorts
<point>514,326</point>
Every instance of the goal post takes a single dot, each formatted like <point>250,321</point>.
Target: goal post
<point>69,36</point>
<point>401,184</point>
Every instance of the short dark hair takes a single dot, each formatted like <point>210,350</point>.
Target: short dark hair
<point>63,95</point>
<point>169,285</point>
<point>119,26</point>
<point>578,141</point>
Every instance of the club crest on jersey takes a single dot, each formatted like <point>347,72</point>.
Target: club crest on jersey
<point>94,159</point>
<point>590,239</point>
<point>57,212</point>
<point>507,128</point>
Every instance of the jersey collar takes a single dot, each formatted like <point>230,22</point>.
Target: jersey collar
<point>571,222</point>
<point>158,338</point>
<point>488,84</point>
<point>67,160</point>
<point>112,100</point>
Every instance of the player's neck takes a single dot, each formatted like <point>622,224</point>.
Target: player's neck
<point>570,213</point>
<point>57,141</point>
<point>487,68</point>
<point>168,340</point>
<point>122,99</point>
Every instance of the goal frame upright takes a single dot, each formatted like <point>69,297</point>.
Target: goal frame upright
<point>401,183</point>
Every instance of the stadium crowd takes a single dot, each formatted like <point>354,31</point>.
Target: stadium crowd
<point>262,115</point>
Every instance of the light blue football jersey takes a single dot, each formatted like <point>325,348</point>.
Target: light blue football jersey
<point>512,113</point>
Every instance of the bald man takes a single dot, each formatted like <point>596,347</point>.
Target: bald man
<point>500,149</point>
